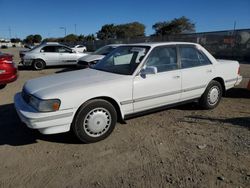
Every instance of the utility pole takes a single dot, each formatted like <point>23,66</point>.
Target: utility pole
<point>65,30</point>
<point>234,25</point>
<point>75,29</point>
<point>9,32</point>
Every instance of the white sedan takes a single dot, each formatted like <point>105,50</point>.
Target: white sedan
<point>79,48</point>
<point>130,80</point>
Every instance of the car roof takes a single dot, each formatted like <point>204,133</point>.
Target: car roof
<point>54,44</point>
<point>115,45</point>
<point>154,44</point>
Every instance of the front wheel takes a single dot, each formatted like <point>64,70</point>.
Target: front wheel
<point>212,95</point>
<point>94,121</point>
<point>39,64</point>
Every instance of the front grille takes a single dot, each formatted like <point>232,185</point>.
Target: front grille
<point>84,63</point>
<point>21,55</point>
<point>26,96</point>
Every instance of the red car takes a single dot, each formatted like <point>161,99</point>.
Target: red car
<point>8,70</point>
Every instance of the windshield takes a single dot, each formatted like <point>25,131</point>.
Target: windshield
<point>35,47</point>
<point>104,50</point>
<point>123,60</point>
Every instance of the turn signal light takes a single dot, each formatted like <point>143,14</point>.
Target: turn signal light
<point>55,106</point>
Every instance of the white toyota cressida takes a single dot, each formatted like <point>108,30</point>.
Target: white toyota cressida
<point>131,79</point>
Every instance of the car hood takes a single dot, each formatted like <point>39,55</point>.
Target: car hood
<point>49,86</point>
<point>91,57</point>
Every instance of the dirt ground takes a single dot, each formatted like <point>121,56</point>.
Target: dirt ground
<point>178,147</point>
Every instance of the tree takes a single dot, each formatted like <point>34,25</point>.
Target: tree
<point>90,37</point>
<point>37,38</point>
<point>130,30</point>
<point>81,37</point>
<point>175,26</point>
<point>15,40</point>
<point>71,38</point>
<point>30,39</point>
<point>107,31</point>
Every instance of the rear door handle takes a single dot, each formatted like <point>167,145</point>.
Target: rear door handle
<point>209,71</point>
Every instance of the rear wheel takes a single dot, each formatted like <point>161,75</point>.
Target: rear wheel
<point>212,95</point>
<point>39,64</point>
<point>94,121</point>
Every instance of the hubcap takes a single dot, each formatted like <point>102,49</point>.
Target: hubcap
<point>213,95</point>
<point>39,65</point>
<point>97,122</point>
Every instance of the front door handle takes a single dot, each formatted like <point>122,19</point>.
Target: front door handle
<point>176,77</point>
<point>209,71</point>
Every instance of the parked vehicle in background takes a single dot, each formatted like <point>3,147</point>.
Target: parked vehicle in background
<point>96,56</point>
<point>131,79</point>
<point>28,46</point>
<point>48,54</point>
<point>8,70</point>
<point>4,46</point>
<point>79,48</point>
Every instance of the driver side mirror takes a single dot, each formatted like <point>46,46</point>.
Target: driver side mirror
<point>149,70</point>
<point>73,51</point>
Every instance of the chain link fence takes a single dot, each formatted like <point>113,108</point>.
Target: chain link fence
<point>231,44</point>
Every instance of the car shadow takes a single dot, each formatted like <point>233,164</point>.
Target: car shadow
<point>15,133</point>
<point>67,70</point>
<point>238,121</point>
<point>21,68</point>
<point>238,93</point>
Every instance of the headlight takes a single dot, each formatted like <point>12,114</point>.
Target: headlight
<point>44,105</point>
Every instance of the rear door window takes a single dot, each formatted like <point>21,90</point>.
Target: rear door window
<point>191,57</point>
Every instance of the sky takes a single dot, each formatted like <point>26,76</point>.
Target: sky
<point>20,18</point>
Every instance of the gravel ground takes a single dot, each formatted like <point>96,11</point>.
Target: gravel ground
<point>178,147</point>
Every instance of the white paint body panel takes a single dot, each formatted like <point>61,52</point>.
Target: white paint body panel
<point>161,84</point>
<point>132,93</point>
<point>80,48</point>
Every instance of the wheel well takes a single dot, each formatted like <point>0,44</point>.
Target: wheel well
<point>39,59</point>
<point>114,103</point>
<point>221,81</point>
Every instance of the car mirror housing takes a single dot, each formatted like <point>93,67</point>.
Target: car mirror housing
<point>149,70</point>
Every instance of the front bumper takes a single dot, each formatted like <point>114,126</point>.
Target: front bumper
<point>26,62</point>
<point>82,64</point>
<point>46,123</point>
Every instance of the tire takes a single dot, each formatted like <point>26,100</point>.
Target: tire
<point>39,64</point>
<point>3,86</point>
<point>94,121</point>
<point>212,95</point>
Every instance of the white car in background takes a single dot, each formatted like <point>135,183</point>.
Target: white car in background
<point>49,54</point>
<point>132,79</point>
<point>80,48</point>
<point>96,56</point>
